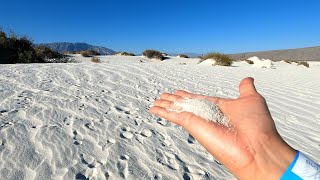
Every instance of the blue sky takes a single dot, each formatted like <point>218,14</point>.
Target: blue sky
<point>199,26</point>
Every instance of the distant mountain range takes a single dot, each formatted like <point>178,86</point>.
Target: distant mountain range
<point>300,54</point>
<point>62,47</point>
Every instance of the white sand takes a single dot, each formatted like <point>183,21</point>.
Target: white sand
<point>205,109</point>
<point>87,120</point>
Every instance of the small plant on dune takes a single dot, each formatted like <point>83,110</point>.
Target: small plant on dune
<point>183,56</point>
<point>95,60</point>
<point>221,59</point>
<point>288,61</point>
<point>153,54</point>
<point>249,61</point>
<point>125,54</point>
<point>89,53</point>
<point>303,63</point>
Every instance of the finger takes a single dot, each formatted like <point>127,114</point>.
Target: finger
<point>187,120</point>
<point>169,115</point>
<point>171,97</point>
<point>193,124</point>
<point>166,104</point>
<point>247,87</point>
<point>196,96</point>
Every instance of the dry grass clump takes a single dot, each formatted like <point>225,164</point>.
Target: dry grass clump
<point>183,56</point>
<point>153,54</point>
<point>288,61</point>
<point>89,53</point>
<point>125,54</point>
<point>221,59</point>
<point>303,63</point>
<point>95,60</point>
<point>249,61</point>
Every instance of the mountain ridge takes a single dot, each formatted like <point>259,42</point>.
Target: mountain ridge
<point>297,54</point>
<point>62,47</point>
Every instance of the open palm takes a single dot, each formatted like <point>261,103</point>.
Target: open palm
<point>249,147</point>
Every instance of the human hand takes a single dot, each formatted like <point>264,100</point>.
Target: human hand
<point>252,149</point>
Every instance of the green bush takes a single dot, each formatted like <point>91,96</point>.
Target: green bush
<point>125,54</point>
<point>44,52</point>
<point>183,56</point>
<point>95,60</point>
<point>153,54</point>
<point>249,61</point>
<point>303,63</point>
<point>17,50</point>
<point>221,59</point>
<point>288,61</point>
<point>89,53</point>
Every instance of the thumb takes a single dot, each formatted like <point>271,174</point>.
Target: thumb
<point>247,87</point>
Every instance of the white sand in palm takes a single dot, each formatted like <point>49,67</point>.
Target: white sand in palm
<point>205,109</point>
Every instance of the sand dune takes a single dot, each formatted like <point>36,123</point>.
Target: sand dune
<point>91,120</point>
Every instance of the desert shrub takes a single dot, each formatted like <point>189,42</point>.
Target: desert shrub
<point>303,63</point>
<point>125,54</point>
<point>183,56</point>
<point>95,60</point>
<point>89,53</point>
<point>17,50</point>
<point>47,53</point>
<point>153,54</point>
<point>249,61</point>
<point>221,59</point>
<point>288,61</point>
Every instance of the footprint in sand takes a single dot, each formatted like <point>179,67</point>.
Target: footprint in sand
<point>110,142</point>
<point>126,134</point>
<point>82,107</point>
<point>193,173</point>
<point>146,133</point>
<point>123,166</point>
<point>168,159</point>
<point>162,122</point>
<point>77,138</point>
<point>67,121</point>
<point>88,160</point>
<point>191,139</point>
<point>90,126</point>
<point>80,176</point>
<point>125,110</point>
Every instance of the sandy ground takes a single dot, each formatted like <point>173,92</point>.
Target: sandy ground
<point>91,120</point>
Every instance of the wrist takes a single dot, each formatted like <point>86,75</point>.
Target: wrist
<point>272,157</point>
<point>275,158</point>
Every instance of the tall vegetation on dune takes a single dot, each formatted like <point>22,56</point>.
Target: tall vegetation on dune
<point>153,54</point>
<point>183,56</point>
<point>125,54</point>
<point>14,49</point>
<point>220,59</point>
<point>47,53</point>
<point>88,53</point>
